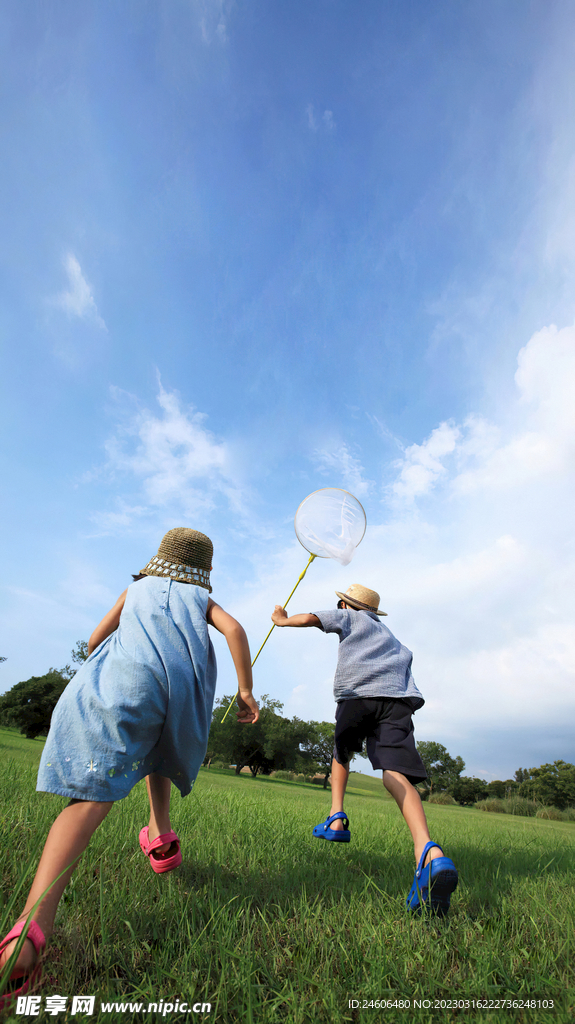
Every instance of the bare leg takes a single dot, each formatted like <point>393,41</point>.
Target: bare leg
<point>66,842</point>
<point>339,777</point>
<point>159,796</point>
<point>409,802</point>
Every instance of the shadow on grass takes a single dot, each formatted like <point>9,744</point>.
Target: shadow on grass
<point>485,879</point>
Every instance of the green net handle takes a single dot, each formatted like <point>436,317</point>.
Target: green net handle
<point>300,578</point>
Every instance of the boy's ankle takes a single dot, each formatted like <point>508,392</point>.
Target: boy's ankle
<point>430,855</point>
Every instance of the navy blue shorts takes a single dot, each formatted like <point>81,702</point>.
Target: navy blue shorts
<point>386,724</point>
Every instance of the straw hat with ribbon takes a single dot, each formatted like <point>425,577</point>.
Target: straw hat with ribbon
<point>361,598</point>
<point>184,555</point>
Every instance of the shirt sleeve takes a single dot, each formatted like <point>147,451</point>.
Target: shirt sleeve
<point>333,621</point>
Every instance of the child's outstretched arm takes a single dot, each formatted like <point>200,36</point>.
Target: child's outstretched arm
<point>109,623</point>
<point>281,618</point>
<point>240,651</point>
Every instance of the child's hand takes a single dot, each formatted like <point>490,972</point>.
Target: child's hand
<point>281,618</point>
<point>279,615</point>
<point>249,711</point>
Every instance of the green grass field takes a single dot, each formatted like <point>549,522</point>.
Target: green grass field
<point>268,925</point>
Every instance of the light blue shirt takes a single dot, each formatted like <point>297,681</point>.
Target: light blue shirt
<point>371,662</point>
<point>141,703</point>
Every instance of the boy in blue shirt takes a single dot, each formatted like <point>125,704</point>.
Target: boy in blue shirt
<point>376,697</point>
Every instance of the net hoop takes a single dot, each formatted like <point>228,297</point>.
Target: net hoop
<point>322,549</point>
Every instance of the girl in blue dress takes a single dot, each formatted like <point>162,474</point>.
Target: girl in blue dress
<point>139,707</point>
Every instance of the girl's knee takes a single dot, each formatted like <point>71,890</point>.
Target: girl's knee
<point>86,811</point>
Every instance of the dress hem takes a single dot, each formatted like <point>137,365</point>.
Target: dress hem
<point>71,795</point>
<point>99,799</point>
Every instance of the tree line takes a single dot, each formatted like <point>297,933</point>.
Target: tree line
<point>307,748</point>
<point>551,784</point>
<point>276,743</point>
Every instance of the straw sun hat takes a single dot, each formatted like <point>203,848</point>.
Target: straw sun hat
<point>361,598</point>
<point>184,555</point>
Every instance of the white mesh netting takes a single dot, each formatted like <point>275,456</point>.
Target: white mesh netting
<point>330,523</point>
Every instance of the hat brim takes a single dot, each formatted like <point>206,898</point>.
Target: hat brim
<point>179,573</point>
<point>359,607</point>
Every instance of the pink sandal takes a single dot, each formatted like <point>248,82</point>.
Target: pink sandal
<point>36,936</point>
<point>161,861</point>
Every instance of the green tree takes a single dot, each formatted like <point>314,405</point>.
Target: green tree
<point>468,790</point>
<point>80,652</point>
<point>272,743</point>
<point>552,784</point>
<point>222,739</point>
<point>319,747</point>
<point>29,705</point>
<point>501,789</point>
<point>442,769</point>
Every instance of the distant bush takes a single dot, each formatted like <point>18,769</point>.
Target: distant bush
<point>319,782</point>
<point>217,764</point>
<point>551,813</point>
<point>441,798</point>
<point>492,804</point>
<point>569,814</point>
<point>522,806</point>
<point>512,805</point>
<point>299,777</point>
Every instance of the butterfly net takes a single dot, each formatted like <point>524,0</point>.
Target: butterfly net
<point>330,523</point>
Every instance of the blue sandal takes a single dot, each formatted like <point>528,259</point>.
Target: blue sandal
<point>323,831</point>
<point>432,884</point>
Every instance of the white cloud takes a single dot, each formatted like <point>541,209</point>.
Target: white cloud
<point>383,431</point>
<point>213,17</point>
<point>328,121</point>
<point>422,464</point>
<point>124,516</point>
<point>542,444</point>
<point>545,446</point>
<point>78,300</point>
<point>545,377</point>
<point>346,468</point>
<point>524,457</point>
<point>175,463</point>
<point>311,121</point>
<point>460,578</point>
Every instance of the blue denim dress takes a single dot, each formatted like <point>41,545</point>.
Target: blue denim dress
<point>142,702</point>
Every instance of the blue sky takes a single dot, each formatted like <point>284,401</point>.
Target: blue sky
<point>249,250</point>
